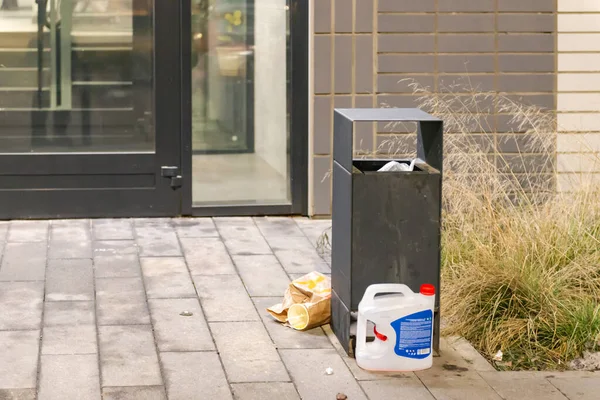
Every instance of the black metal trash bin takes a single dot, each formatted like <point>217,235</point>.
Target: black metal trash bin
<point>386,225</point>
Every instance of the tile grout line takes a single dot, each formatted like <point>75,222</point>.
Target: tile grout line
<point>151,324</point>
<point>208,327</point>
<point>96,325</point>
<point>41,330</point>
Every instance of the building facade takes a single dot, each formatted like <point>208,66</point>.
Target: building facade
<point>224,107</point>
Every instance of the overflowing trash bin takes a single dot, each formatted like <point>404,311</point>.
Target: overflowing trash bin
<point>386,218</point>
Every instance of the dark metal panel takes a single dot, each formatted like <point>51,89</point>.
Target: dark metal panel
<point>37,204</point>
<point>395,230</point>
<point>77,181</point>
<point>242,210</point>
<point>341,257</point>
<point>186,105</point>
<point>343,137</point>
<point>430,143</point>
<point>167,94</point>
<point>386,114</point>
<point>84,164</point>
<point>299,98</point>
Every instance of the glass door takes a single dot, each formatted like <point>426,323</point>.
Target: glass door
<point>247,105</point>
<point>88,125</point>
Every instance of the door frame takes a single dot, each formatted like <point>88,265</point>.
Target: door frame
<point>96,184</point>
<point>298,91</point>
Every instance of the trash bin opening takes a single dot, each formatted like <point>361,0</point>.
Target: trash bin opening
<point>362,166</point>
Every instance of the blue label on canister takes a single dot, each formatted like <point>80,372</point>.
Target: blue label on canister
<point>413,335</point>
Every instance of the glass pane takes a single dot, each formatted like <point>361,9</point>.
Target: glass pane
<point>76,76</point>
<point>240,97</point>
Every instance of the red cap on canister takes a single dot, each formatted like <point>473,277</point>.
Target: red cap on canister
<point>427,289</point>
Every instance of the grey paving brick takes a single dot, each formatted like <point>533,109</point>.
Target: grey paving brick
<point>128,356</point>
<point>21,305</point>
<point>408,387</point>
<point>117,266</point>
<point>363,64</point>
<point>247,245</point>
<point>526,5</point>
<point>302,261</point>
<point>277,227</point>
<point>112,229</point>
<point>470,354</point>
<point>261,391</point>
<point>526,23</point>
<point>406,6</point>
<point>467,84</point>
<point>167,277</point>
<point>285,337</point>
<point>466,5</point>
<point>18,359</point>
<point>248,357</point>
<point>58,313</point>
<point>342,60</point>
<point>65,339</point>
<point>114,247</point>
<point>343,16</point>
<point>403,43</point>
<point>322,64</point>
<point>406,63</point>
<point>175,332</point>
<point>236,227</point>
<point>474,23</point>
<point>466,63</point>
<point>461,381</point>
<point>134,393</point>
<point>195,227</point>
<point>322,185</point>
<point>207,256</point>
<point>70,249</point>
<point>224,298</point>
<point>28,231</point>
<point>262,275</point>
<point>322,19</point>
<point>24,262</point>
<point>313,228</point>
<point>65,377</point>
<point>4,230</point>
<point>406,23</point>
<point>576,386</point>
<point>466,43</point>
<point>307,367</point>
<point>322,125</point>
<point>68,280</point>
<point>70,230</point>
<point>526,43</point>
<point>17,394</point>
<point>402,83</point>
<point>526,62</point>
<point>364,23</point>
<point>121,301</point>
<point>189,374</point>
<point>163,247</point>
<point>521,385</point>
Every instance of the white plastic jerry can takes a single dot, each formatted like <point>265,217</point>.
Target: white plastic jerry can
<point>403,328</point>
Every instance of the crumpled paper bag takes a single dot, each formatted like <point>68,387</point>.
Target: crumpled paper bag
<point>313,292</point>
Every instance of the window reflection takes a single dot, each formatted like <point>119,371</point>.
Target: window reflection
<point>76,75</point>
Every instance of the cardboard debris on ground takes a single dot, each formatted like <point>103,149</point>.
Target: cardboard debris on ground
<point>310,299</point>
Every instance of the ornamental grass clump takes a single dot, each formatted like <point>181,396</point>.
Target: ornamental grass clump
<point>520,258</point>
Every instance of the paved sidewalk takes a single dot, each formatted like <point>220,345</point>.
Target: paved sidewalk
<point>93,309</point>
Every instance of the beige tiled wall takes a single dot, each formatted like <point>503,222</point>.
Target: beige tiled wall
<point>362,49</point>
<point>578,99</point>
